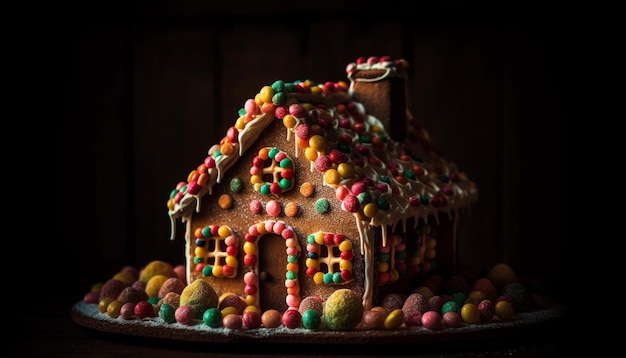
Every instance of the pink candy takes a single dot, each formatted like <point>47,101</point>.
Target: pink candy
<point>272,208</point>
<point>432,320</point>
<point>256,207</point>
<point>351,204</point>
<point>251,107</point>
<point>303,131</point>
<point>297,110</point>
<point>452,319</point>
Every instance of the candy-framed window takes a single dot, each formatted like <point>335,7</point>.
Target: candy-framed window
<point>329,258</point>
<point>215,252</point>
<point>275,163</point>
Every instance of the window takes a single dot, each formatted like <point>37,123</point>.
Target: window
<point>215,251</point>
<point>272,172</point>
<point>329,258</point>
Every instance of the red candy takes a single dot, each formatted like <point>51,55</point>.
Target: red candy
<point>291,319</point>
<point>252,320</point>
<point>413,320</point>
<point>323,163</point>
<point>144,309</point>
<point>486,309</point>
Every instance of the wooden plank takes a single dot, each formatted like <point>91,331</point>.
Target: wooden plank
<point>455,73</point>
<point>91,152</point>
<point>173,118</point>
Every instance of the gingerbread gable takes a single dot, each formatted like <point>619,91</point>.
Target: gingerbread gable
<point>305,161</point>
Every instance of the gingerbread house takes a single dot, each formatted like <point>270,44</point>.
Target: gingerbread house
<point>321,186</point>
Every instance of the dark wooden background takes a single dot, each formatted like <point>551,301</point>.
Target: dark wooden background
<point>145,88</point>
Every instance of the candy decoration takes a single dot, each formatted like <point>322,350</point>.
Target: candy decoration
<point>343,262</point>
<point>216,263</point>
<point>280,168</point>
<point>255,232</point>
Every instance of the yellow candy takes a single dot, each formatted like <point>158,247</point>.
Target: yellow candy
<point>319,238</point>
<point>310,154</point>
<point>504,310</point>
<point>345,265</point>
<point>470,313</point>
<point>113,309</point>
<point>249,248</point>
<point>345,245</point>
<point>229,310</point>
<point>250,300</point>
<point>370,210</point>
<point>394,319</point>
<point>231,261</point>
<point>313,263</point>
<point>318,278</point>
<point>223,231</point>
<point>240,123</point>
<point>317,142</point>
<point>345,170</point>
<point>217,271</point>
<point>104,304</point>
<point>289,121</point>
<point>331,176</point>
<point>251,308</point>
<point>266,94</point>
<point>200,251</point>
<point>154,285</point>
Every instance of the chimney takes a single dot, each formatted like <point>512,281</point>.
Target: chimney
<point>380,85</point>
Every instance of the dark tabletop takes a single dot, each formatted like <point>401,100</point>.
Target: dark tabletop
<point>38,331</point>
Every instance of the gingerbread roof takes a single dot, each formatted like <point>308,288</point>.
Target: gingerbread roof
<point>379,180</point>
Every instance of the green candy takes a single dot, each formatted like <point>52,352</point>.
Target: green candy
<point>311,319</point>
<point>212,317</point>
<point>167,313</point>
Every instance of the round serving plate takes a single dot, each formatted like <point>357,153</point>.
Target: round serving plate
<point>89,316</point>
